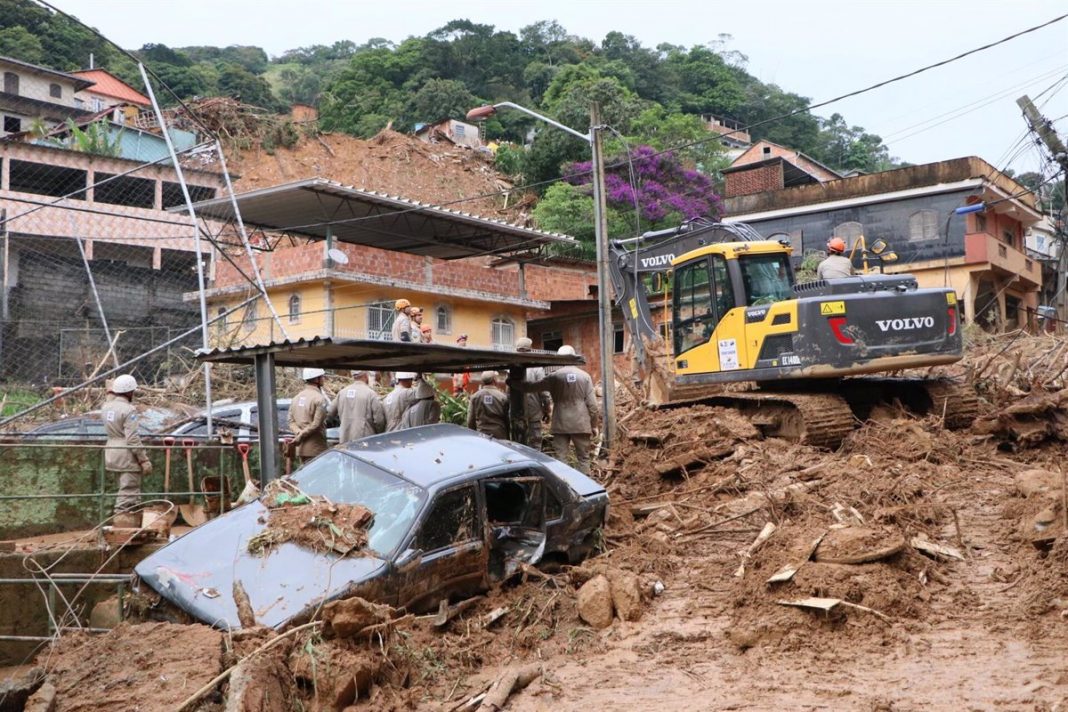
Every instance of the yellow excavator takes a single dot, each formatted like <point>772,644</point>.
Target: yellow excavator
<point>718,317</point>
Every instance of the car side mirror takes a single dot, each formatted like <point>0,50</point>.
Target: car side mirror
<point>409,558</point>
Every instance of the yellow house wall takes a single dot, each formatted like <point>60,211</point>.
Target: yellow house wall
<point>351,314</point>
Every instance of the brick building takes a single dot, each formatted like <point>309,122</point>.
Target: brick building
<point>981,255</point>
<point>767,166</point>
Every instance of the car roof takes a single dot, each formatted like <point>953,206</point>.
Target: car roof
<point>432,454</point>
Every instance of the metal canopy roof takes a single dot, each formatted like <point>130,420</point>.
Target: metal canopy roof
<point>373,355</point>
<point>315,207</point>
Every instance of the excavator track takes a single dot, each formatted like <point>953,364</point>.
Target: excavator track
<point>822,419</point>
<point>817,419</point>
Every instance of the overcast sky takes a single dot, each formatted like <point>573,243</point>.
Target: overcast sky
<point>819,49</point>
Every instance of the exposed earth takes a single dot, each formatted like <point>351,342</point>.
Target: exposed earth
<point>931,568</point>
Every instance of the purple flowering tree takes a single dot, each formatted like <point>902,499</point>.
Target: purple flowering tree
<point>667,193</point>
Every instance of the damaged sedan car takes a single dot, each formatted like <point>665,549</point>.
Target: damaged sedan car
<point>442,513</point>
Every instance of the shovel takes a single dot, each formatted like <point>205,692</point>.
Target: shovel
<point>162,518</point>
<point>193,513</point>
<point>251,491</point>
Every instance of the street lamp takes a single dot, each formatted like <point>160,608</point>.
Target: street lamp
<point>600,228</point>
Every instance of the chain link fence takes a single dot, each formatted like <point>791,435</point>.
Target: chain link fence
<point>101,260</point>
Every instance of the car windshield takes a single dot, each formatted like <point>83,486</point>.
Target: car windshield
<point>343,478</point>
<point>767,278</point>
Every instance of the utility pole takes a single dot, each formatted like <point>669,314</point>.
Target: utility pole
<point>1044,128</point>
<point>604,299</point>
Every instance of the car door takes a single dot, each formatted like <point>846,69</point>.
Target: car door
<point>446,558</point>
<point>515,514</point>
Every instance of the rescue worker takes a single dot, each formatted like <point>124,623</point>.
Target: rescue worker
<point>398,400</point>
<point>307,416</point>
<point>360,409</point>
<point>488,410</point>
<point>836,265</point>
<point>123,453</point>
<point>424,408</point>
<point>402,322</point>
<point>536,406</point>
<point>575,409</point>
<point>427,334</point>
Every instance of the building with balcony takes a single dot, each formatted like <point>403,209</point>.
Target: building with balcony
<point>980,255</point>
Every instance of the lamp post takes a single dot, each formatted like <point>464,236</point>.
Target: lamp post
<point>600,227</point>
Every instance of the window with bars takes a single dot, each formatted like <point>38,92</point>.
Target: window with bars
<point>294,309</point>
<point>249,319</point>
<point>55,91</point>
<point>923,225</point>
<point>502,332</point>
<point>380,321</point>
<point>443,319</point>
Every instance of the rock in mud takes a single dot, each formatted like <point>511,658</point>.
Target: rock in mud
<point>1036,481</point>
<point>626,595</point>
<point>351,615</point>
<point>260,685</point>
<point>595,602</point>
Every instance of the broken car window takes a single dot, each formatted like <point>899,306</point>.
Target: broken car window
<point>452,520</point>
<point>343,478</point>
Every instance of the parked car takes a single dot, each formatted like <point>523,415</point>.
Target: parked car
<point>241,418</point>
<point>453,511</point>
<point>90,426</point>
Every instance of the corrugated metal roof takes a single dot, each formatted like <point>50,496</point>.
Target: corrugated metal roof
<point>316,206</point>
<point>373,355</point>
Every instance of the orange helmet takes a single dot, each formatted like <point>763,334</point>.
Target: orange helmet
<point>425,328</point>
<point>401,304</point>
<point>836,244</point>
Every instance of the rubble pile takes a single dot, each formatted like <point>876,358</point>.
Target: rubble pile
<point>310,521</point>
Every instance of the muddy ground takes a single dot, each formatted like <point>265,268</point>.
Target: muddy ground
<point>942,552</point>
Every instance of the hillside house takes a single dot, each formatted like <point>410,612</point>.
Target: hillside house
<point>451,130</point>
<point>31,92</point>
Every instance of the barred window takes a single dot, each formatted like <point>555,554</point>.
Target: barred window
<point>249,319</point>
<point>443,319</point>
<point>502,332</point>
<point>380,321</point>
<point>923,225</point>
<point>55,91</point>
<point>294,309</point>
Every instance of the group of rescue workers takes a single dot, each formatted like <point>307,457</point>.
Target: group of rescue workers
<point>565,398</point>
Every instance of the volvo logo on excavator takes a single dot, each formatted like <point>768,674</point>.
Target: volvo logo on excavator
<point>917,322</point>
<point>657,261</point>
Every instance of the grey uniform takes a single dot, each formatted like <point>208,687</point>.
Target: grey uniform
<point>123,452</point>
<point>575,411</point>
<point>423,409</point>
<point>488,412</point>
<point>402,328</point>
<point>360,410</point>
<point>395,404</point>
<point>535,407</point>
<point>307,421</point>
<point>834,267</point>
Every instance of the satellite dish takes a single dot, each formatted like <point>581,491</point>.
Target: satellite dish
<point>337,256</point>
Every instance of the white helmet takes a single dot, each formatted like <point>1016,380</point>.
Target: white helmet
<point>566,350</point>
<point>310,373</point>
<point>405,376</point>
<point>124,384</point>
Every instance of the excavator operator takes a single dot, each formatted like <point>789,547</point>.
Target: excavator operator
<point>836,265</point>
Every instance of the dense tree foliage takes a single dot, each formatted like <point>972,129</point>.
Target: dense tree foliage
<point>652,96</point>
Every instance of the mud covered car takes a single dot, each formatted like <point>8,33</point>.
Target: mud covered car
<point>453,512</point>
